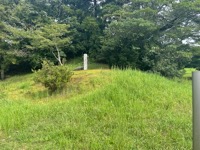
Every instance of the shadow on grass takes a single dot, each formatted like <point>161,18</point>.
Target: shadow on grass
<point>38,94</point>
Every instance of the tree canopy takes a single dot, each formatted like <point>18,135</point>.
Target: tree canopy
<point>151,35</point>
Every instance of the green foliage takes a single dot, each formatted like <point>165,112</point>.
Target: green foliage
<point>53,77</point>
<point>138,27</point>
<point>51,39</point>
<point>167,62</point>
<point>123,44</point>
<point>195,63</point>
<point>8,52</point>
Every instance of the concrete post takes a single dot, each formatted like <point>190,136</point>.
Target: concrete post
<point>85,62</point>
<point>196,109</point>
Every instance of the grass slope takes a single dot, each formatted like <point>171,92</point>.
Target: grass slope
<point>100,110</point>
<point>188,73</point>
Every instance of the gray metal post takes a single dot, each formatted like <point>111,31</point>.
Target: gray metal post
<point>196,109</point>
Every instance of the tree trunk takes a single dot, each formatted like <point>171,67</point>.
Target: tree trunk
<point>2,70</point>
<point>58,57</point>
<point>95,8</point>
<point>2,74</point>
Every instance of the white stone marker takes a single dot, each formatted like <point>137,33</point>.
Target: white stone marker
<point>85,62</point>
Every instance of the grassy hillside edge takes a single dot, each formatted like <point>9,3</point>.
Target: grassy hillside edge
<point>114,110</point>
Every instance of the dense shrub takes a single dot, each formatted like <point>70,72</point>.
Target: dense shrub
<point>53,77</point>
<point>169,61</point>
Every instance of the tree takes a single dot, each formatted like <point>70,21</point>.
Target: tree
<point>89,36</point>
<point>195,62</point>
<point>8,51</point>
<point>123,43</point>
<point>144,26</point>
<point>51,38</point>
<point>168,61</point>
<point>12,34</point>
<point>143,34</point>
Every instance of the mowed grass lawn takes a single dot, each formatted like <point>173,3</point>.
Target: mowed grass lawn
<point>100,110</point>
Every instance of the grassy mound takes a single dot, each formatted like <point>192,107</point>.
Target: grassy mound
<point>99,110</point>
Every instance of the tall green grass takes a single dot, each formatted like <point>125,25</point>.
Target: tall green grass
<point>134,110</point>
<point>188,73</point>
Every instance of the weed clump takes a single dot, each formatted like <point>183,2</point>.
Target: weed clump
<point>53,77</point>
